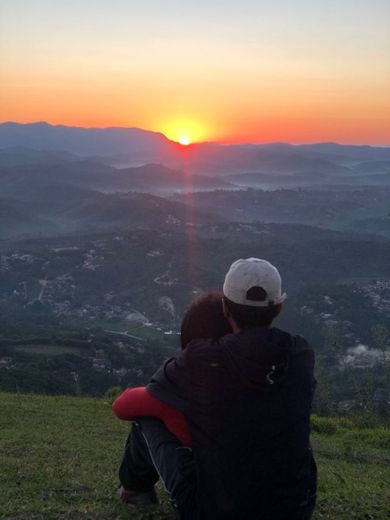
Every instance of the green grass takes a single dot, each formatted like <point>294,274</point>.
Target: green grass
<point>59,458</point>
<point>353,456</point>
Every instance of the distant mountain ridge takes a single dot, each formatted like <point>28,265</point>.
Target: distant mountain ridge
<point>82,141</point>
<point>23,179</point>
<point>133,146</point>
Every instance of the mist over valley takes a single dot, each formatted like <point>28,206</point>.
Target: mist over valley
<point>107,235</point>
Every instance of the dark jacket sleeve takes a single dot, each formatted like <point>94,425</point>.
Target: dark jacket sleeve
<point>171,382</point>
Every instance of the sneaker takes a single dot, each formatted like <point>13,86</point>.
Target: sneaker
<point>137,498</point>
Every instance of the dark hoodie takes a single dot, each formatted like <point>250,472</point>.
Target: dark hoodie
<point>247,398</point>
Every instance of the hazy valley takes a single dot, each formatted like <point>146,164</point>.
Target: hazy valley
<point>107,235</point>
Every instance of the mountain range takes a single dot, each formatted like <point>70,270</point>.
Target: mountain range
<point>134,147</point>
<point>58,179</point>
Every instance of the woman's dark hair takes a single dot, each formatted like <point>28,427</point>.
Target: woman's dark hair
<point>204,319</point>
<point>248,317</point>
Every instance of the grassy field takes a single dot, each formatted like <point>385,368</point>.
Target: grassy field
<point>59,457</point>
<point>48,350</point>
<point>117,326</point>
<point>353,460</point>
<point>131,327</point>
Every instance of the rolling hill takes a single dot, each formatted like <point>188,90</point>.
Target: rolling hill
<point>134,147</point>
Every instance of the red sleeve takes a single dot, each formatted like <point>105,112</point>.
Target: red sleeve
<point>137,402</point>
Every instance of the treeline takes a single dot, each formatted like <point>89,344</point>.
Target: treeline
<point>72,366</point>
<point>88,363</point>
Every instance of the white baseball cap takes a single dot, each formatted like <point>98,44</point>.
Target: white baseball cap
<point>245,274</point>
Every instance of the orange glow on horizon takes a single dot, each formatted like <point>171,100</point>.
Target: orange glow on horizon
<point>245,73</point>
<point>284,114</point>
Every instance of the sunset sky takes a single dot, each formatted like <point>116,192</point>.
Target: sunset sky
<point>219,70</point>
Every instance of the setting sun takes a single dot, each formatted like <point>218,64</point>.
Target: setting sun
<point>184,131</point>
<point>184,140</point>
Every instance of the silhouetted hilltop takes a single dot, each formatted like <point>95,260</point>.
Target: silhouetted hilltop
<point>19,155</point>
<point>23,179</point>
<point>132,146</point>
<point>82,141</point>
<point>133,209</point>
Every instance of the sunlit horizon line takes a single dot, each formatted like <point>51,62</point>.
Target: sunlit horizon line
<point>191,144</point>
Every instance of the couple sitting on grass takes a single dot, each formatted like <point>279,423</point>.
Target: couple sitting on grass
<point>225,424</point>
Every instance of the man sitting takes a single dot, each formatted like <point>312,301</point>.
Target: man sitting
<point>247,400</point>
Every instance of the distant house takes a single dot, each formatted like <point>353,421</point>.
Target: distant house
<point>100,363</point>
<point>5,362</point>
<point>348,405</point>
<point>121,372</point>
